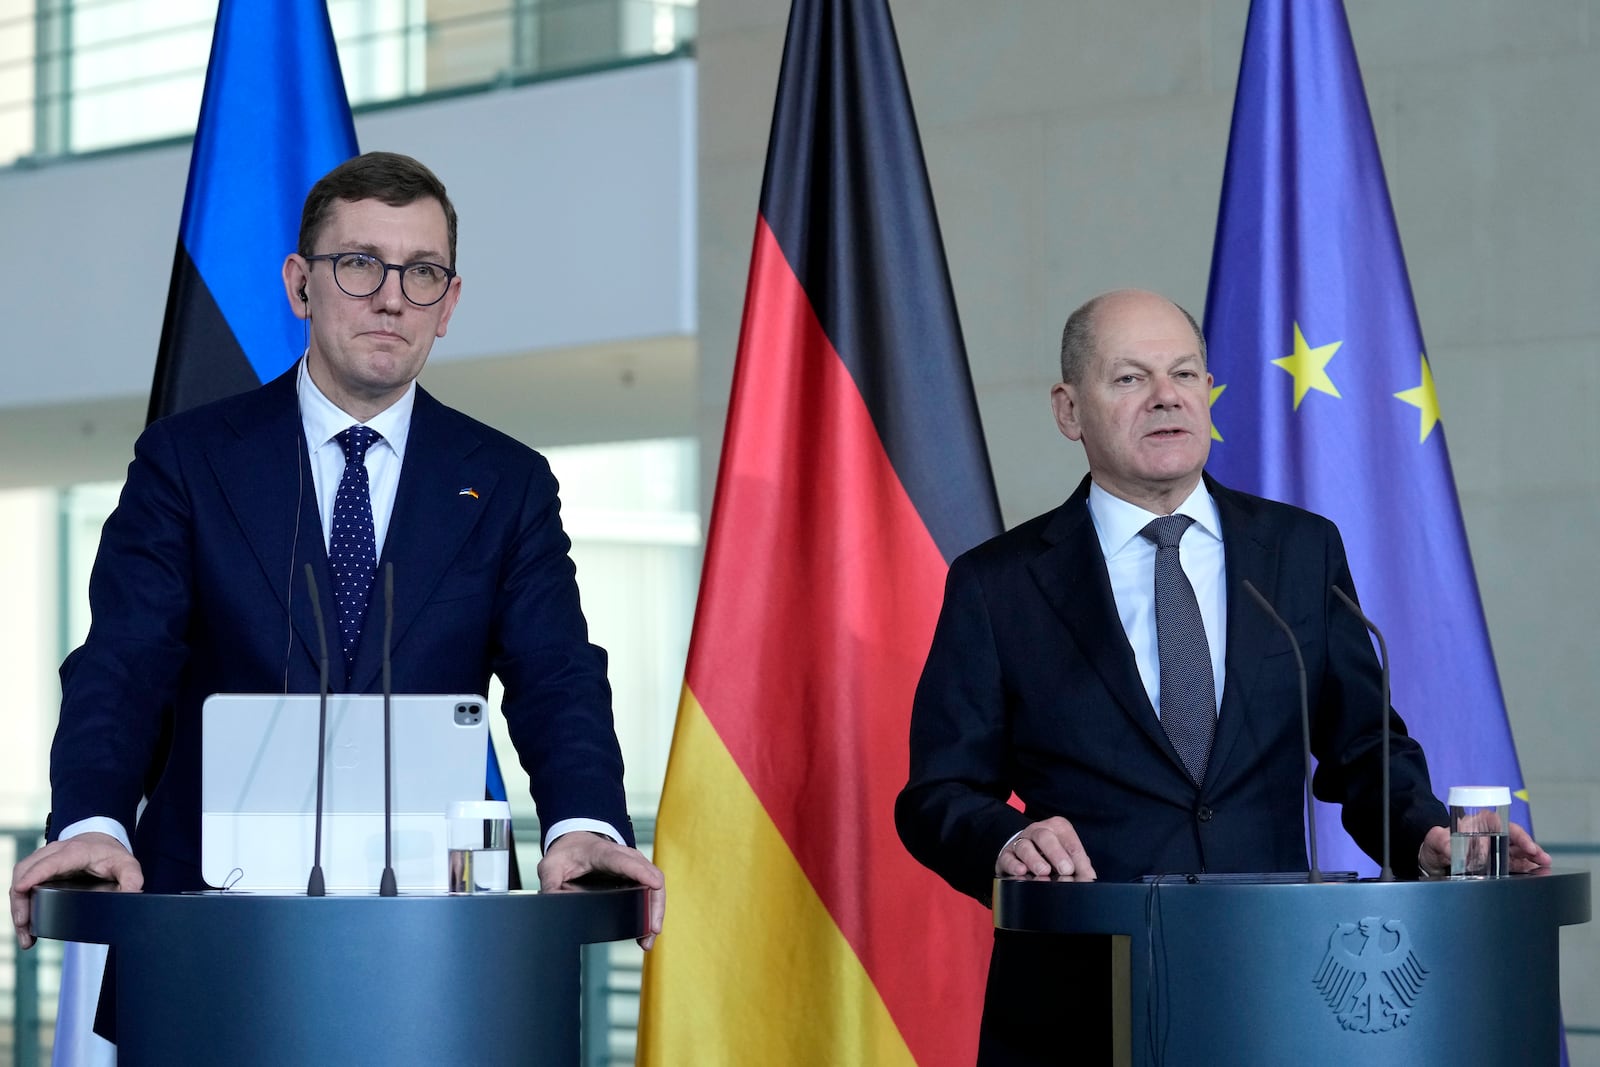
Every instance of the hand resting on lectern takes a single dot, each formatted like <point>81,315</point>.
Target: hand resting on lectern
<point>571,856</point>
<point>99,855</point>
<point>1050,846</point>
<point>1434,855</point>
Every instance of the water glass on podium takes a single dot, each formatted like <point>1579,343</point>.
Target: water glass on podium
<point>1480,821</point>
<point>479,836</point>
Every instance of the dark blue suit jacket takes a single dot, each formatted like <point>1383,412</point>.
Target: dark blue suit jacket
<point>199,588</point>
<point>1031,687</point>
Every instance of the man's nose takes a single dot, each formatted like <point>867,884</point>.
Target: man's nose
<point>391,294</point>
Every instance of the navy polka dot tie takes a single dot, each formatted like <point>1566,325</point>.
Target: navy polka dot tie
<point>352,547</point>
<point>1188,688</point>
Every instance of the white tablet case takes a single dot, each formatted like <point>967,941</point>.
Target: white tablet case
<point>258,788</point>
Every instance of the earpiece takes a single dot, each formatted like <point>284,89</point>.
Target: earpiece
<point>303,298</point>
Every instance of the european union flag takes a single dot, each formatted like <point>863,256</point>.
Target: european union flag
<point>1324,396</point>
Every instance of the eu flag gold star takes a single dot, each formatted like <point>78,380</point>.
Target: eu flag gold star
<point>1424,399</point>
<point>1215,392</point>
<point>1309,367</point>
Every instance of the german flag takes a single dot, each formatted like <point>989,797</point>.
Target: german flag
<point>853,470</point>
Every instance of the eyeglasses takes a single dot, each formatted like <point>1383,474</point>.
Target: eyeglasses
<point>359,275</point>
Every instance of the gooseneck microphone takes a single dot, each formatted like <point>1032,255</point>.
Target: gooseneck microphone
<point>315,885</point>
<point>387,887</point>
<point>1305,721</point>
<point>1387,873</point>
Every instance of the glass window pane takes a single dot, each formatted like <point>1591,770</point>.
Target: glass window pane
<point>128,71</point>
<point>16,78</point>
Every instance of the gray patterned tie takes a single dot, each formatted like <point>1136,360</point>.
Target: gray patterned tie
<point>1188,690</point>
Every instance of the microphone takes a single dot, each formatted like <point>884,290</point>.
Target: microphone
<point>316,886</point>
<point>1387,873</point>
<point>387,887</point>
<point>1305,720</point>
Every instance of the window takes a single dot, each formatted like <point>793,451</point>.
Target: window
<point>83,75</point>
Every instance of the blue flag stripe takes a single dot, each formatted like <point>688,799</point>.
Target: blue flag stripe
<point>273,120</point>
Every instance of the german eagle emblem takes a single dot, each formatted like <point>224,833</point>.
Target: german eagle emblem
<point>1370,977</point>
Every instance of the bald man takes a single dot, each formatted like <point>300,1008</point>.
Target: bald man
<point>1149,722</point>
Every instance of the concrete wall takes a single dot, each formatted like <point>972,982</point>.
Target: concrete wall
<point>1076,146</point>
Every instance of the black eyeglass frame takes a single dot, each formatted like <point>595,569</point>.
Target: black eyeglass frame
<point>335,257</point>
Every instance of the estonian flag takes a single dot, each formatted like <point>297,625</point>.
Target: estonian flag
<point>273,120</point>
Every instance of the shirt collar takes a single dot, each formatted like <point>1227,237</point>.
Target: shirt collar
<point>323,419</point>
<point>1117,523</point>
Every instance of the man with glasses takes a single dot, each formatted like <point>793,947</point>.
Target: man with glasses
<point>345,463</point>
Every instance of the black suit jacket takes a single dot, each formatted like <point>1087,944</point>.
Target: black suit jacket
<point>1031,687</point>
<point>199,588</point>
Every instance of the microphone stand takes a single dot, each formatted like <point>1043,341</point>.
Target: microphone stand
<point>1387,873</point>
<point>316,886</point>
<point>1305,721</point>
<point>387,887</point>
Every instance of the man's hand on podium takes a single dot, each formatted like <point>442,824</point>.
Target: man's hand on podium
<point>99,855</point>
<point>571,856</point>
<point>1048,847</point>
<point>1434,855</point>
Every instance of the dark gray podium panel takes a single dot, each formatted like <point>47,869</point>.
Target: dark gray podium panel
<point>272,980</point>
<point>1339,973</point>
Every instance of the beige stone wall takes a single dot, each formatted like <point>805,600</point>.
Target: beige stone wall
<point>1074,146</point>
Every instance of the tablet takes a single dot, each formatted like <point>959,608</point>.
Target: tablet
<point>258,792</point>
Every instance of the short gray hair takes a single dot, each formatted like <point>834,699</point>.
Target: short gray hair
<point>1078,340</point>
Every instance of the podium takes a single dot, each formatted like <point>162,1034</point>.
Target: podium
<point>255,979</point>
<point>1460,972</point>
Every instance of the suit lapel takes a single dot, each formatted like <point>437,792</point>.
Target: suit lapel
<point>265,476</point>
<point>431,521</point>
<point>1248,557</point>
<point>1071,573</point>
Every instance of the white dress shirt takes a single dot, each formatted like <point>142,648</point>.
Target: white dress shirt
<point>322,421</point>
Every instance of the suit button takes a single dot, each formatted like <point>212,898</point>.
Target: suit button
<point>1204,813</point>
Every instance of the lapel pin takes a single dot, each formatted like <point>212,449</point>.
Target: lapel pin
<point>469,491</point>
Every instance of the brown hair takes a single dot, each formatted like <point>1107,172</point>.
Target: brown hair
<point>395,179</point>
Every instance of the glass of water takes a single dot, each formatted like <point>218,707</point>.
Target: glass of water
<point>479,836</point>
<point>1480,841</point>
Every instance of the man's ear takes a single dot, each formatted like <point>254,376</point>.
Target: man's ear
<point>296,275</point>
<point>1064,402</point>
<point>451,295</point>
